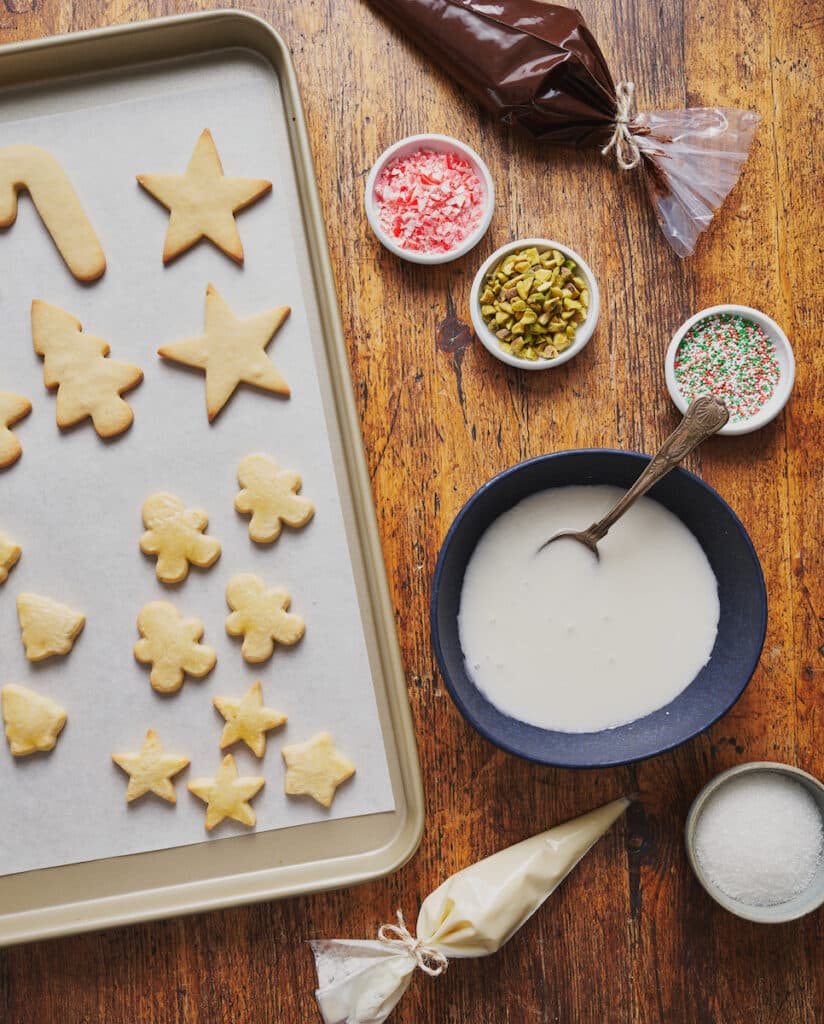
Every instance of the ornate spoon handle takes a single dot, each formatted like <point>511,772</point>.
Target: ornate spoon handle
<point>704,417</point>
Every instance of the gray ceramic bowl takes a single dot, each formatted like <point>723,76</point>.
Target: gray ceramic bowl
<point>810,899</point>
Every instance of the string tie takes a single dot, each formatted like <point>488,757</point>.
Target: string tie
<point>431,961</point>
<point>627,153</point>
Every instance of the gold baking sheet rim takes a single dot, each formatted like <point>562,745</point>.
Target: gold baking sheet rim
<point>260,866</point>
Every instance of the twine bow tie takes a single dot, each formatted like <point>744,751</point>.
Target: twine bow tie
<point>431,961</point>
<point>626,148</point>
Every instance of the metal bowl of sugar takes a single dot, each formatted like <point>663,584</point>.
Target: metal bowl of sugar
<point>755,840</point>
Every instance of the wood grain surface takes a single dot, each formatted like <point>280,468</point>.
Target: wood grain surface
<point>630,937</point>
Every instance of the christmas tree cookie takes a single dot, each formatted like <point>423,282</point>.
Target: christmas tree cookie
<point>9,556</point>
<point>33,722</point>
<point>89,384</point>
<point>13,408</point>
<point>47,627</point>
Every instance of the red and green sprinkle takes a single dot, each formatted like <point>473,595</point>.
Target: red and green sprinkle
<point>731,357</point>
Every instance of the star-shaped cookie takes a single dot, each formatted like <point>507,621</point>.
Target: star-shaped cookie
<point>247,719</point>
<point>9,556</point>
<point>316,768</point>
<point>231,352</point>
<point>203,202</point>
<point>13,408</point>
<point>33,722</point>
<point>47,627</point>
<point>150,770</point>
<point>227,795</point>
<point>270,496</point>
<point>260,616</point>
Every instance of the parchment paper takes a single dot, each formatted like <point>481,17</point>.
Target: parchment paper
<point>73,501</point>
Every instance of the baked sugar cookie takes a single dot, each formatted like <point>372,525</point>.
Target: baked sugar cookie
<point>231,352</point>
<point>270,496</point>
<point>170,645</point>
<point>33,722</point>
<point>260,616</point>
<point>150,770</point>
<point>89,385</point>
<point>316,768</point>
<point>36,171</point>
<point>13,408</point>
<point>9,556</point>
<point>227,794</point>
<point>48,628</point>
<point>175,534</point>
<point>247,719</point>
<point>203,201</point>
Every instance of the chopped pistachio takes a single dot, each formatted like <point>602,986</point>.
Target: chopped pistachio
<point>531,297</point>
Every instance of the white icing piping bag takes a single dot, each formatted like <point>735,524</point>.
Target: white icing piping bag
<point>473,913</point>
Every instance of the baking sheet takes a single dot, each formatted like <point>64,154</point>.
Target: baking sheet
<point>73,502</point>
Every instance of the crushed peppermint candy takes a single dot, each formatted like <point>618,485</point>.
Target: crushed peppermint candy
<point>731,357</point>
<point>429,202</point>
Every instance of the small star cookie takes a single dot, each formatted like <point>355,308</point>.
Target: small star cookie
<point>9,556</point>
<point>247,719</point>
<point>231,352</point>
<point>227,795</point>
<point>175,534</point>
<point>315,768</point>
<point>33,722</point>
<point>260,617</point>
<point>170,645</point>
<point>13,408</point>
<point>150,770</point>
<point>203,202</point>
<point>47,627</point>
<point>271,497</point>
<point>88,383</point>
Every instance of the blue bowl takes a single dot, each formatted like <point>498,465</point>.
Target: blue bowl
<point>719,684</point>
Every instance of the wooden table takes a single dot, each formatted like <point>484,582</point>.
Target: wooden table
<point>631,936</point>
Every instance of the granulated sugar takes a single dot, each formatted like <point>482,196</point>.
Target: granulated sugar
<point>760,839</point>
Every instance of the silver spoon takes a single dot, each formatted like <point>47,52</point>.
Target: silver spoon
<point>704,417</point>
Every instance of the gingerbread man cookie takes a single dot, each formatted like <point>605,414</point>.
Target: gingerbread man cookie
<point>170,645</point>
<point>13,408</point>
<point>270,496</point>
<point>175,534</point>
<point>260,616</point>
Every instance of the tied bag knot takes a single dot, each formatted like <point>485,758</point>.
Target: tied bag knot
<point>431,961</point>
<point>626,148</point>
